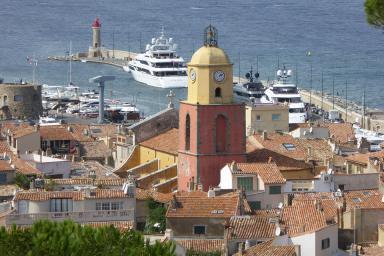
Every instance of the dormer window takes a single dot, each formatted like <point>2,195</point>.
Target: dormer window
<point>289,146</point>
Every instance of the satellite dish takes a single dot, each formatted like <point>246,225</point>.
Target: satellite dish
<point>257,74</point>
<point>248,75</point>
<point>278,231</point>
<point>280,205</point>
<point>153,40</point>
<point>279,72</point>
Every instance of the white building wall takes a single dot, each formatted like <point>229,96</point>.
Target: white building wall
<point>30,142</point>
<point>310,243</point>
<point>226,181</point>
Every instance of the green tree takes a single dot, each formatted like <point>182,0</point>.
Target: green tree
<point>374,9</point>
<point>155,222</point>
<point>22,181</point>
<point>68,238</point>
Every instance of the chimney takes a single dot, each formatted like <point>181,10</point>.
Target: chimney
<point>297,250</point>
<point>174,202</point>
<point>211,192</point>
<point>69,128</point>
<point>270,160</point>
<point>309,152</point>
<point>199,187</point>
<point>247,244</point>
<point>264,135</point>
<point>168,233</point>
<point>240,249</point>
<point>233,166</point>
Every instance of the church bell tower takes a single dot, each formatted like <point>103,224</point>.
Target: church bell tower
<point>211,125</point>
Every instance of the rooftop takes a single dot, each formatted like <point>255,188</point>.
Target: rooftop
<point>185,206</point>
<point>165,142</point>
<point>269,172</point>
<point>269,249</point>
<point>251,227</point>
<point>201,245</point>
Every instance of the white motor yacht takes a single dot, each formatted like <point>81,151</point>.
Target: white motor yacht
<point>250,92</point>
<point>284,91</point>
<point>160,66</point>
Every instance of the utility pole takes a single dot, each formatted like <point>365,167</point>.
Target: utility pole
<point>333,92</point>
<point>346,100</point>
<point>239,66</point>
<point>322,90</point>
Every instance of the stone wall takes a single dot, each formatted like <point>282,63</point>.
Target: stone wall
<point>20,101</point>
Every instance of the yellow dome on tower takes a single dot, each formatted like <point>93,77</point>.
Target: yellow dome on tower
<point>208,55</point>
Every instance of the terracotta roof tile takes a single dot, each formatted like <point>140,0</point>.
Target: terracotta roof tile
<point>251,228</point>
<point>363,159</point>
<point>55,132</point>
<point>269,172</point>
<point>166,142</point>
<point>23,131</point>
<point>142,194</point>
<point>5,166</point>
<point>302,218</point>
<point>268,249</point>
<point>342,132</point>
<point>75,195</point>
<point>89,181</point>
<point>201,207</point>
<point>202,245</point>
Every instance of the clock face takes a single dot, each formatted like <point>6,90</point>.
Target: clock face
<point>219,76</point>
<point>192,75</point>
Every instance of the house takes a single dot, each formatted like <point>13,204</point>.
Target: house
<point>266,117</point>
<point>7,172</point>
<point>200,215</point>
<point>251,230</point>
<point>270,248</point>
<point>23,139</point>
<point>49,166</point>
<point>262,182</point>
<point>153,162</point>
<point>84,206</point>
<point>365,162</point>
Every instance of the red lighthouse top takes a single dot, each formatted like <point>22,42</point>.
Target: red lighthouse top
<point>96,23</point>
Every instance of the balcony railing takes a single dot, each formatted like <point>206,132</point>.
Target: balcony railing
<point>79,217</point>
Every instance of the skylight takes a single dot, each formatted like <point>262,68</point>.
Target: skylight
<point>356,200</point>
<point>289,146</point>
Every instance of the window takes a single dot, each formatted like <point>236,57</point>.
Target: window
<point>325,243</point>
<point>116,205</point>
<point>18,98</point>
<point>199,230</point>
<point>245,183</point>
<point>221,133</point>
<point>61,205</point>
<point>5,100</point>
<point>105,206</point>
<point>98,206</point>
<point>258,118</point>
<point>256,205</point>
<point>274,190</point>
<point>218,92</point>
<point>289,146</point>
<point>3,178</point>
<point>187,132</point>
<point>275,117</point>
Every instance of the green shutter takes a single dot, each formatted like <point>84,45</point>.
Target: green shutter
<point>256,205</point>
<point>245,183</point>
<point>274,190</point>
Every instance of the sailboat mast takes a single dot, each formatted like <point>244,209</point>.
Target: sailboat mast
<point>70,62</point>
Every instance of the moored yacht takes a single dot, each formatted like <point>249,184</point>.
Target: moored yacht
<point>250,91</point>
<point>160,66</point>
<point>284,91</point>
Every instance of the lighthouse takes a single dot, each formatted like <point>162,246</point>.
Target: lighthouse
<point>95,50</point>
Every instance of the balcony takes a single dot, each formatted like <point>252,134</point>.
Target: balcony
<point>78,217</point>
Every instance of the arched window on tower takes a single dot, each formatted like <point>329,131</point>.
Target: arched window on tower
<point>218,92</point>
<point>221,133</point>
<point>187,132</point>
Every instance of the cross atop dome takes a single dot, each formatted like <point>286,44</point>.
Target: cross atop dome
<point>96,23</point>
<point>210,36</point>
